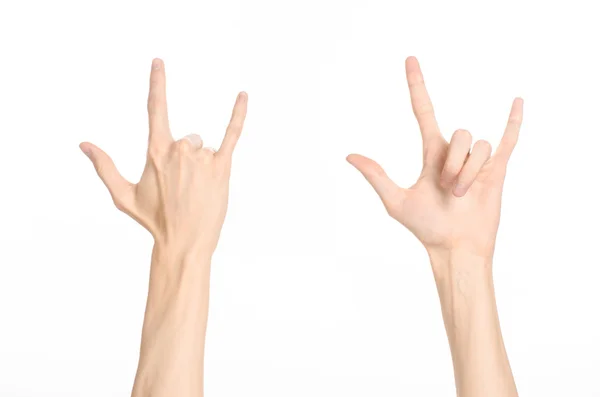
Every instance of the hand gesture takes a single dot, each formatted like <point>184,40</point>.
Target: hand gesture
<point>455,203</point>
<point>181,198</point>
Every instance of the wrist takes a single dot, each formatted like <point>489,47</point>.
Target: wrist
<point>175,248</point>
<point>445,262</point>
<point>178,270</point>
<point>179,283</point>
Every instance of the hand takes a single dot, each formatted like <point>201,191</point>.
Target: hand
<point>181,198</point>
<point>455,203</point>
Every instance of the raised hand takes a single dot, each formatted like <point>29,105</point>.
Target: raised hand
<point>182,195</point>
<point>181,199</point>
<point>455,203</point>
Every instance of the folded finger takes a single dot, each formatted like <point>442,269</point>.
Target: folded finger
<point>479,155</point>
<point>458,150</point>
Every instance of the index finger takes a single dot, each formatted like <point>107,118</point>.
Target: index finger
<point>421,103</point>
<point>234,129</point>
<point>157,103</point>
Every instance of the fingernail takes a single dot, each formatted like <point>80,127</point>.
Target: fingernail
<point>459,190</point>
<point>87,152</point>
<point>156,64</point>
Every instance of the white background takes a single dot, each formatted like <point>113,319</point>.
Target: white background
<point>315,291</point>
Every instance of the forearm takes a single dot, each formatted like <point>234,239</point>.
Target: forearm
<point>467,298</point>
<point>172,349</point>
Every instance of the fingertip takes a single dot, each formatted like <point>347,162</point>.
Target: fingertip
<point>412,64</point>
<point>484,146</point>
<point>414,75</point>
<point>241,105</point>
<point>184,145</point>
<point>375,176</point>
<point>195,140</point>
<point>460,190</point>
<point>517,106</point>
<point>86,148</point>
<point>462,135</point>
<point>157,64</point>
<point>355,159</point>
<point>368,167</point>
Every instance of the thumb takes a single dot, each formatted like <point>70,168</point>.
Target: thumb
<point>120,189</point>
<point>387,190</point>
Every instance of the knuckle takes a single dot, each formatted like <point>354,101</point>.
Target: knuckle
<point>151,106</point>
<point>183,146</point>
<point>223,168</point>
<point>451,170</point>
<point>206,155</point>
<point>223,163</point>
<point>515,121</point>
<point>208,151</point>
<point>235,127</point>
<point>100,168</point>
<point>388,208</point>
<point>423,109</point>
<point>465,179</point>
<point>378,172</point>
<point>119,203</point>
<point>415,80</point>
<point>154,152</point>
<point>391,207</point>
<point>156,156</point>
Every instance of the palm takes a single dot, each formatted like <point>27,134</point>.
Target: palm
<point>456,200</point>
<point>439,219</point>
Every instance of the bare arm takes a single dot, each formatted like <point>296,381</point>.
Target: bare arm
<point>172,350</point>
<point>454,210</point>
<point>181,199</point>
<point>468,302</point>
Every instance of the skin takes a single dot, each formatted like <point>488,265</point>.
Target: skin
<point>454,210</point>
<point>181,199</point>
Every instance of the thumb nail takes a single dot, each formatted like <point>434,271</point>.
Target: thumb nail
<point>87,151</point>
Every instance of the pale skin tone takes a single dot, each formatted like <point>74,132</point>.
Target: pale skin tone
<point>181,199</point>
<point>454,210</point>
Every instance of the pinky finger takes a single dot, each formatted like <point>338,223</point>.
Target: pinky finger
<point>511,133</point>
<point>479,155</point>
<point>234,129</point>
